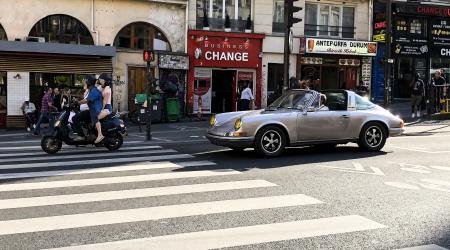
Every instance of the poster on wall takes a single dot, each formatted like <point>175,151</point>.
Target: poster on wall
<point>440,32</point>
<point>202,91</point>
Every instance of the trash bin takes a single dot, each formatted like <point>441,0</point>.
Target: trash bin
<point>156,108</point>
<point>172,109</point>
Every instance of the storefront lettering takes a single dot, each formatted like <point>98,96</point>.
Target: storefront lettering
<point>226,56</point>
<point>433,11</point>
<point>445,52</point>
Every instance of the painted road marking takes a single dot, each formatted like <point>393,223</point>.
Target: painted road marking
<point>76,150</point>
<point>128,167</point>
<point>114,180</point>
<point>358,168</point>
<point>402,185</point>
<point>131,194</point>
<point>39,142</point>
<point>425,247</point>
<point>420,150</point>
<point>154,213</point>
<point>96,161</point>
<point>240,236</point>
<point>96,155</point>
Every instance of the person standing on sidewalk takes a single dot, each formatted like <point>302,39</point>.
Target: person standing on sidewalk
<point>247,98</point>
<point>417,91</point>
<point>46,109</point>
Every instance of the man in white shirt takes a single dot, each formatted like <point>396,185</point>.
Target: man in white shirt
<point>246,98</point>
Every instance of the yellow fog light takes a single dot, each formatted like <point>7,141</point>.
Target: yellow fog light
<point>402,124</point>
<point>238,123</point>
<point>212,120</point>
<point>239,134</point>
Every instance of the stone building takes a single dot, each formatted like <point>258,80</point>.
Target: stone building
<point>58,42</point>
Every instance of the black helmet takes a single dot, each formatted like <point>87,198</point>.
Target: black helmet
<point>90,81</point>
<point>105,77</point>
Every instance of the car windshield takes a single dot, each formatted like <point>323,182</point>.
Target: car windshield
<point>292,100</point>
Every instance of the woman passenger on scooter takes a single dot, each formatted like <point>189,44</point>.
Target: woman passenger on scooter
<point>105,82</point>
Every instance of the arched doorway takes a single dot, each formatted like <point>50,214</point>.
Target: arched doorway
<point>139,36</point>
<point>62,29</point>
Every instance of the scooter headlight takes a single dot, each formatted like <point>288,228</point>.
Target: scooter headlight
<point>57,123</point>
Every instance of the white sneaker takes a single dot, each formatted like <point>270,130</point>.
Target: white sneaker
<point>28,129</point>
<point>413,115</point>
<point>418,114</point>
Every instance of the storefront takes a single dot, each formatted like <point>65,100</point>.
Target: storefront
<point>26,68</point>
<point>336,64</point>
<point>221,65</point>
<point>421,44</point>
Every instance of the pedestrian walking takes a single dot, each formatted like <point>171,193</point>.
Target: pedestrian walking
<point>246,98</point>
<point>438,83</point>
<point>46,109</point>
<point>417,92</point>
<point>29,112</point>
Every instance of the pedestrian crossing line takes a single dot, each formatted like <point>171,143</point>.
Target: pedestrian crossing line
<point>96,161</point>
<point>151,213</point>
<point>131,194</point>
<point>95,155</point>
<point>241,236</point>
<point>425,247</point>
<point>128,167</point>
<point>38,148</point>
<point>76,150</point>
<point>39,142</point>
<point>115,180</point>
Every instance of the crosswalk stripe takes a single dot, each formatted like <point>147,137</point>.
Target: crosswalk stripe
<point>240,236</point>
<point>128,167</point>
<point>96,155</point>
<point>132,193</point>
<point>22,148</point>
<point>425,247</point>
<point>39,141</point>
<point>114,180</point>
<point>76,150</point>
<point>96,161</point>
<point>151,213</point>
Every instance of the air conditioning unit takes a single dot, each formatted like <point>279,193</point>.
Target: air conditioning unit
<point>35,39</point>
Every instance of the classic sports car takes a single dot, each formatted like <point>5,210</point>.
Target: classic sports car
<point>302,117</point>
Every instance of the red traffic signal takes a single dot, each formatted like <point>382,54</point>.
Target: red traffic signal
<point>148,55</point>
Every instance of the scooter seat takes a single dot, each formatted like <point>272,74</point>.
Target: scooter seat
<point>110,116</point>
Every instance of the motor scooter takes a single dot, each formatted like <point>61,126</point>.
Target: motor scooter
<point>113,129</point>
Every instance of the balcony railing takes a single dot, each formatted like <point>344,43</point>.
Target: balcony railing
<point>330,31</point>
<point>219,24</point>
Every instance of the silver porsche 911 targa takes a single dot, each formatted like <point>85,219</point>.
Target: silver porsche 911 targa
<point>306,117</point>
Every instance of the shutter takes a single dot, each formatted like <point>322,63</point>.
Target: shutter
<point>60,64</point>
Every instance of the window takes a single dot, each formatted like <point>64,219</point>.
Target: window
<point>141,36</point>
<point>278,16</point>
<point>2,33</point>
<point>62,29</point>
<point>329,20</point>
<point>216,11</point>
<point>363,104</point>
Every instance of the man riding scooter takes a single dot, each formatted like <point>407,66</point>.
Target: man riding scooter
<point>95,102</point>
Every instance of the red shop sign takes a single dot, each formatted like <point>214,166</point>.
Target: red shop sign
<point>208,50</point>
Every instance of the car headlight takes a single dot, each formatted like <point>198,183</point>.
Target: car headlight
<point>212,121</point>
<point>238,123</point>
<point>57,123</point>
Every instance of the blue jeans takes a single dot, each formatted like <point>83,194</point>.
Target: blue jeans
<point>45,116</point>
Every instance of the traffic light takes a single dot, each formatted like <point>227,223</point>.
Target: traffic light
<point>291,10</point>
<point>148,55</point>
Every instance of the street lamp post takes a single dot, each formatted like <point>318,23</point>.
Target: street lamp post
<point>388,55</point>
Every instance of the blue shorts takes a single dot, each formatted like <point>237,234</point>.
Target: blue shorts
<point>109,107</point>
<point>94,116</point>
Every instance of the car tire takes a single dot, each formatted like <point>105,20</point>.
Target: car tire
<point>372,137</point>
<point>270,141</point>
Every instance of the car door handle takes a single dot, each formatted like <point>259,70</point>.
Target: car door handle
<point>345,116</point>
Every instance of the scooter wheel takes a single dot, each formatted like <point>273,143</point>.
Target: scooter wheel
<point>51,144</point>
<point>113,143</point>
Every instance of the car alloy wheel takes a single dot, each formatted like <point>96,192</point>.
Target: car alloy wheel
<point>373,136</point>
<point>271,141</point>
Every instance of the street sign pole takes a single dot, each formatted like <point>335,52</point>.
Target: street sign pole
<point>148,57</point>
<point>286,46</point>
<point>388,55</point>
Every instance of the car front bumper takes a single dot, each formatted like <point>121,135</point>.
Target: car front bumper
<point>396,131</point>
<point>229,141</point>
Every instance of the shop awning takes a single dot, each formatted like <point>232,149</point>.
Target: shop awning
<point>55,58</point>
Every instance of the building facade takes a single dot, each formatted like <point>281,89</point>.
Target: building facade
<point>59,45</point>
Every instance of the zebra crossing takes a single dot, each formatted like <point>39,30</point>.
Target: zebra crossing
<point>81,178</point>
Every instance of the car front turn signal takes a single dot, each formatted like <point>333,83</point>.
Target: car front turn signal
<point>402,124</point>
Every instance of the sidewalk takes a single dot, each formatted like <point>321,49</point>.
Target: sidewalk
<point>402,108</point>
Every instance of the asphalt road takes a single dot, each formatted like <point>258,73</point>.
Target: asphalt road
<point>180,192</point>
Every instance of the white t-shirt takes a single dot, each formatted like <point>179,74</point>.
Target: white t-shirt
<point>84,106</point>
<point>247,94</point>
